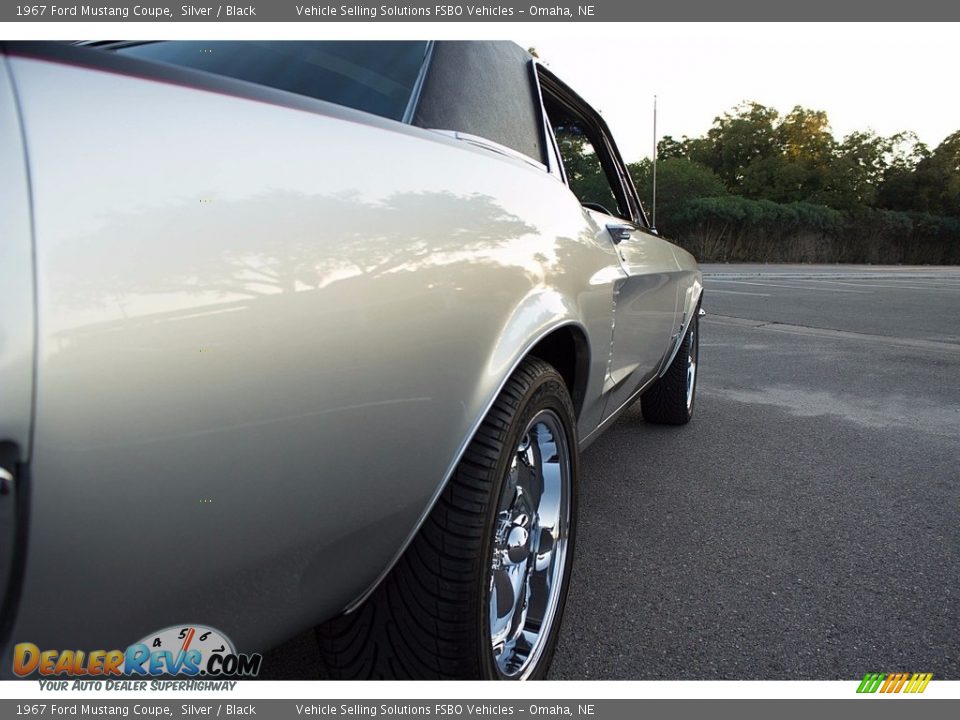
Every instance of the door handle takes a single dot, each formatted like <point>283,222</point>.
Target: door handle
<point>6,481</point>
<point>619,233</point>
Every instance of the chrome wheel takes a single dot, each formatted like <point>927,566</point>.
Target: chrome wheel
<point>691,363</point>
<point>530,546</point>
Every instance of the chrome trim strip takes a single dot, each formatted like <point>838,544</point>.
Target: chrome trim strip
<point>551,149</point>
<point>491,145</point>
<point>418,85</point>
<point>356,603</point>
<point>604,424</point>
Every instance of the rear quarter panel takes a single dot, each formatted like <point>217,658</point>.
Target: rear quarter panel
<point>16,275</point>
<point>264,337</point>
<point>16,349</point>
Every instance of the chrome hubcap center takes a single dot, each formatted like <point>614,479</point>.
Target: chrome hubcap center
<point>518,545</point>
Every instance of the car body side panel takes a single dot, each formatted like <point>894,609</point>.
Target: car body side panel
<point>16,276</point>
<point>646,307</point>
<point>264,335</point>
<point>17,336</point>
<point>689,288</point>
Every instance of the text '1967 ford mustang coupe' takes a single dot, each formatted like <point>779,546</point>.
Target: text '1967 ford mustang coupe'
<point>302,334</point>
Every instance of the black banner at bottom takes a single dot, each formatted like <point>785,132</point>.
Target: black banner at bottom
<point>867,707</point>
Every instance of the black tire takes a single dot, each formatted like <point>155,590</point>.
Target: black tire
<point>667,402</point>
<point>430,617</point>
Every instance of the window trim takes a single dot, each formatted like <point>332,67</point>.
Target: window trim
<point>551,86</point>
<point>417,90</point>
<point>551,150</point>
<point>496,147</point>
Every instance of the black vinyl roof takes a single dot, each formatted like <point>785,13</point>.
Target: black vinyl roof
<point>484,88</point>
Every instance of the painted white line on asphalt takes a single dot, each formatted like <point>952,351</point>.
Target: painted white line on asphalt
<point>737,292</point>
<point>789,287</point>
<point>829,334</point>
<point>895,287</point>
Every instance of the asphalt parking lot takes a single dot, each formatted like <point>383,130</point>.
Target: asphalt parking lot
<point>806,524</point>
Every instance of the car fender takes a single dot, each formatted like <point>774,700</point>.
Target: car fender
<point>541,313</point>
<point>17,351</point>
<point>689,297</point>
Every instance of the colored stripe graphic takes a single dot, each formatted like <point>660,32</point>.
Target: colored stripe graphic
<point>870,683</point>
<point>898,680</point>
<point>894,682</point>
<point>918,683</point>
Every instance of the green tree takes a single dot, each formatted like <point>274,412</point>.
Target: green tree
<point>856,171</point>
<point>937,179</point>
<point>679,180</point>
<point>805,135</point>
<point>758,186</point>
<point>736,140</point>
<point>796,169</point>
<point>897,189</point>
<point>584,171</point>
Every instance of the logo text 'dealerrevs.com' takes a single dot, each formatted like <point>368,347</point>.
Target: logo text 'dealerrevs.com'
<point>191,650</point>
<point>894,682</point>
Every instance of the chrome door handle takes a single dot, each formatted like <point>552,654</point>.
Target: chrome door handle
<point>6,481</point>
<point>619,233</point>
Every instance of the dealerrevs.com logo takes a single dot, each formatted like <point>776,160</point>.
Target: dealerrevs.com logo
<point>179,650</point>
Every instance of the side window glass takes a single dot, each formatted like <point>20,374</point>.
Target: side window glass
<point>580,153</point>
<point>376,76</point>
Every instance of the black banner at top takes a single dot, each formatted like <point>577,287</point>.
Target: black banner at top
<point>502,11</point>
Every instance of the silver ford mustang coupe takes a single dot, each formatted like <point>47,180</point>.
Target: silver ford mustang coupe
<point>303,334</point>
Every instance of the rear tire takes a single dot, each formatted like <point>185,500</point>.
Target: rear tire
<point>480,591</point>
<point>670,400</point>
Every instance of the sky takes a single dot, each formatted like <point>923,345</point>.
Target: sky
<point>888,77</point>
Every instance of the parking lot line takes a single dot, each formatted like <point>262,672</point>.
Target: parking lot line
<point>738,292</point>
<point>895,287</point>
<point>790,287</point>
<point>830,334</point>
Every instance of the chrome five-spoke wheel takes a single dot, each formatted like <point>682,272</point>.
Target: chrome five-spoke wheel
<point>480,592</point>
<point>530,546</point>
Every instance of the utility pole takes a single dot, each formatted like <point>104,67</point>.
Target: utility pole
<point>653,220</point>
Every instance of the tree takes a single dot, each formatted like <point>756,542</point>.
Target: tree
<point>584,171</point>
<point>736,140</point>
<point>937,179</point>
<point>760,186</point>
<point>856,172</point>
<point>897,189</point>
<point>679,180</point>
<point>804,135</point>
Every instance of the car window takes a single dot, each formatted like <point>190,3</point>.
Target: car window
<point>377,76</point>
<point>580,151</point>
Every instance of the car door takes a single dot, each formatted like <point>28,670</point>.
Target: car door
<point>645,314</point>
<point>645,297</point>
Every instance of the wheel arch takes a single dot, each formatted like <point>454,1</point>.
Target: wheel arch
<point>549,345</point>
<point>567,350</point>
